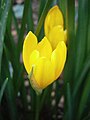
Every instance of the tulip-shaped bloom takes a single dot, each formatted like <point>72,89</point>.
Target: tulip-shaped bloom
<point>53,26</point>
<point>47,63</point>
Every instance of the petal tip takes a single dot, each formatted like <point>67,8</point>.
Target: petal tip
<point>55,7</point>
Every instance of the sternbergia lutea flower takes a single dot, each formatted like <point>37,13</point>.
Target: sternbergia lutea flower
<point>54,27</point>
<point>46,59</point>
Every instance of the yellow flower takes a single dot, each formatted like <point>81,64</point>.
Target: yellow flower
<point>47,63</point>
<point>53,27</point>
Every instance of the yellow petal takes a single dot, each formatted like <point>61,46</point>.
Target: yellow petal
<point>58,58</point>
<point>53,18</point>
<point>33,59</point>
<point>29,45</point>
<point>44,48</point>
<point>56,35</point>
<point>44,73</point>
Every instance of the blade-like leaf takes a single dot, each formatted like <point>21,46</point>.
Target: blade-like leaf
<point>88,41</point>
<point>43,15</point>
<point>84,98</point>
<point>10,91</point>
<point>30,23</point>
<point>3,89</point>
<point>41,7</point>
<point>70,63</point>
<point>81,35</point>
<point>15,22</point>
<point>23,25</point>
<point>68,113</point>
<point>82,76</point>
<point>62,4</point>
<point>5,6</point>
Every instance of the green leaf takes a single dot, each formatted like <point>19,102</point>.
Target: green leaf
<point>3,89</point>
<point>69,107</point>
<point>70,63</point>
<point>41,7</point>
<point>23,25</point>
<point>81,35</point>
<point>62,4</point>
<point>11,46</point>
<point>30,23</point>
<point>82,76</point>
<point>84,98</point>
<point>43,15</point>
<point>10,91</point>
<point>15,22</point>
<point>88,41</point>
<point>5,6</point>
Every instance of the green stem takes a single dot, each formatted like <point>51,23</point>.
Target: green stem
<point>37,107</point>
<point>43,98</point>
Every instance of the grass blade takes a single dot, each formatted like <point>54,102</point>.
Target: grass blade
<point>30,23</point>
<point>15,22</point>
<point>88,42</point>
<point>2,89</point>
<point>62,4</point>
<point>43,15</point>
<point>23,25</point>
<point>82,76</point>
<point>68,113</point>
<point>70,63</point>
<point>10,92</point>
<point>41,7</point>
<point>81,35</point>
<point>84,98</point>
<point>5,6</point>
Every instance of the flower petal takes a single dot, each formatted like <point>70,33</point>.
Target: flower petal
<point>33,59</point>
<point>29,45</point>
<point>44,48</point>
<point>56,35</point>
<point>58,58</point>
<point>53,18</point>
<point>44,73</point>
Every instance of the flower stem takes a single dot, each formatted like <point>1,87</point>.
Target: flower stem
<point>37,107</point>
